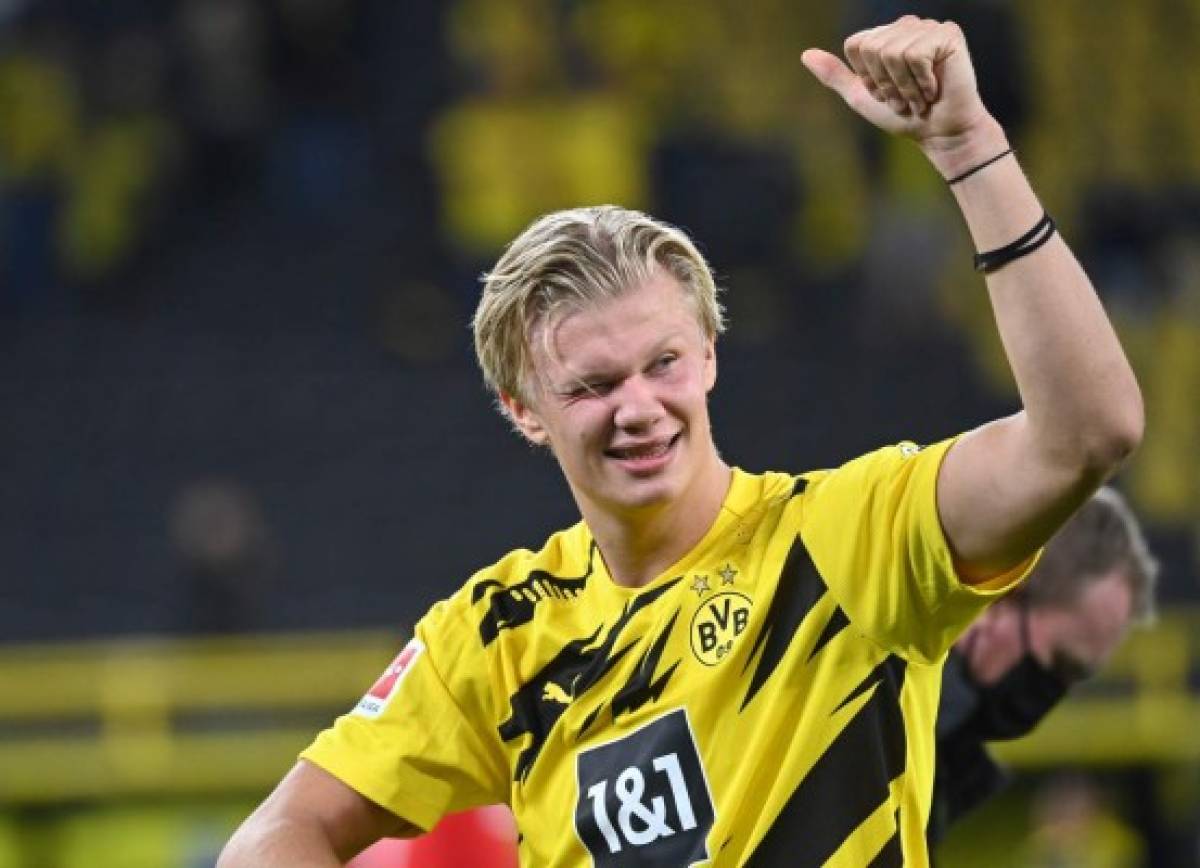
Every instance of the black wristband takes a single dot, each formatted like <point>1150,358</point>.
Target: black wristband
<point>1033,239</point>
<point>971,171</point>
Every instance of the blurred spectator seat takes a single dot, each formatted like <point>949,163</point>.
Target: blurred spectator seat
<point>541,155</point>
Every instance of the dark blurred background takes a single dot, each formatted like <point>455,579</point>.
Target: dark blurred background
<point>240,243</point>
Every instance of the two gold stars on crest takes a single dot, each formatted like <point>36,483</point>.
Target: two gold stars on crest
<point>700,582</point>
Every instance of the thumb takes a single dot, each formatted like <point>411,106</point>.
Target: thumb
<point>830,71</point>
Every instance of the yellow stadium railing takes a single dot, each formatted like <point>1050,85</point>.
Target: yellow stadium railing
<point>145,717</point>
<point>114,719</point>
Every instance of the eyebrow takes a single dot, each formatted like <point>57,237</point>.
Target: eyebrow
<point>605,373</point>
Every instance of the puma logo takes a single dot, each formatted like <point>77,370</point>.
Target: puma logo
<point>551,692</point>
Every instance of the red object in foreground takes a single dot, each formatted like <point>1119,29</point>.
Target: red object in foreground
<point>481,838</point>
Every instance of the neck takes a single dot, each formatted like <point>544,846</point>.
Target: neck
<point>638,545</point>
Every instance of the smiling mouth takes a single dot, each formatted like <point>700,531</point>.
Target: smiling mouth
<point>647,452</point>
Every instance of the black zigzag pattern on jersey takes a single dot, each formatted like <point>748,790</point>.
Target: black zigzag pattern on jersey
<point>848,782</point>
<point>642,687</point>
<point>577,667</point>
<point>891,856</point>
<point>514,605</point>
<point>799,588</point>
<point>837,622</point>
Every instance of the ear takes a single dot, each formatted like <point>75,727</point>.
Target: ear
<point>710,364</point>
<point>525,419</point>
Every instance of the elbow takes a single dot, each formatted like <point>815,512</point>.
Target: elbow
<point>1092,449</point>
<point>1126,429</point>
<point>1131,439</point>
<point>1113,438</point>
<point>1107,458</point>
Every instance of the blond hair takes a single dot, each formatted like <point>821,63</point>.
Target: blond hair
<point>572,259</point>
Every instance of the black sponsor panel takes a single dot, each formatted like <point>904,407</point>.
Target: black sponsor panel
<point>644,800</point>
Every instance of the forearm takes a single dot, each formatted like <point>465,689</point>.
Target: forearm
<point>311,820</point>
<point>279,844</point>
<point>1005,487</point>
<point>1082,402</point>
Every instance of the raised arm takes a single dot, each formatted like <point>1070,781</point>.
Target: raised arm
<point>311,820</point>
<point>1005,487</point>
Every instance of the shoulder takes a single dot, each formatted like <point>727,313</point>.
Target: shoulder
<point>873,500</point>
<point>755,491</point>
<point>897,463</point>
<point>502,590</point>
<point>759,492</point>
<point>565,554</point>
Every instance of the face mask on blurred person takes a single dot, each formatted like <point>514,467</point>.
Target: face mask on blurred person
<point>1008,709</point>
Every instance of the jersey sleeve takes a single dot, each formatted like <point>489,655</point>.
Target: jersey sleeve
<point>420,742</point>
<point>874,533</point>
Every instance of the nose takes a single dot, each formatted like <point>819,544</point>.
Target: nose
<point>635,405</point>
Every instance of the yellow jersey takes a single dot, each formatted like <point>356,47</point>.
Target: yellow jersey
<point>768,700</point>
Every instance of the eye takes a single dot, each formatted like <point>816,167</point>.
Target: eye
<point>664,362</point>
<point>588,389</point>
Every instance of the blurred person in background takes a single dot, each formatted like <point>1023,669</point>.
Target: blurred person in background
<point>39,133</point>
<point>1073,825</point>
<point>714,666</point>
<point>226,554</point>
<point>1021,657</point>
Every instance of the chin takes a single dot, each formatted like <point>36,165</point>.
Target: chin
<point>646,494</point>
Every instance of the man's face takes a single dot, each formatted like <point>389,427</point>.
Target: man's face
<point>1084,636</point>
<point>1077,638</point>
<point>619,393</point>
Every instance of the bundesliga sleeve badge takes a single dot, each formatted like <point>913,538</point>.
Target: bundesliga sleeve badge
<point>377,698</point>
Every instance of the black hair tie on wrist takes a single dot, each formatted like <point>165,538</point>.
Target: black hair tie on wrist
<point>971,171</point>
<point>1033,239</point>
